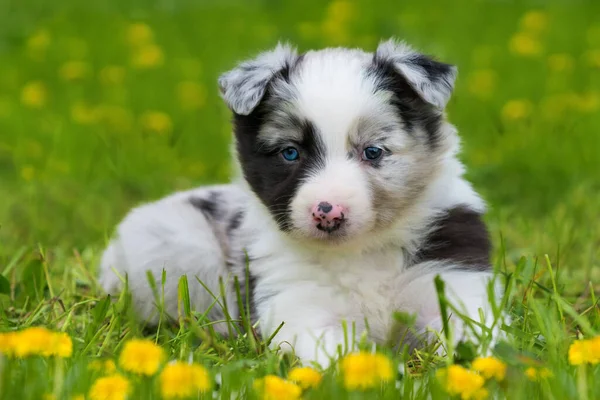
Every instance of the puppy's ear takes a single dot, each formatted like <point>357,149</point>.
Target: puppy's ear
<point>432,80</point>
<point>243,87</point>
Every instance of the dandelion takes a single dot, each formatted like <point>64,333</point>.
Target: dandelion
<point>191,95</point>
<point>33,341</point>
<point>139,34</point>
<point>458,380</point>
<point>561,62</point>
<point>482,83</point>
<point>62,345</point>
<point>7,343</point>
<point>83,114</point>
<point>339,14</point>
<point>148,56</point>
<point>114,387</point>
<point>37,44</point>
<point>180,380</point>
<point>305,377</point>
<point>272,387</point>
<point>537,374</point>
<point>27,173</point>
<point>34,94</point>
<point>525,45</point>
<point>156,121</point>
<point>365,370</point>
<point>112,75</point>
<point>105,367</point>
<point>39,41</point>
<point>534,21</point>
<point>141,356</point>
<point>74,70</point>
<point>490,367</point>
<point>516,110</point>
<point>585,351</point>
<point>586,103</point>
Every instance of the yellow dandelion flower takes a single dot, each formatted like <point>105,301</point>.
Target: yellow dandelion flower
<point>272,387</point>
<point>34,94</point>
<point>27,173</point>
<point>534,21</point>
<point>586,103</point>
<point>148,56</point>
<point>7,343</point>
<point>561,62</point>
<point>39,41</point>
<point>156,121</point>
<point>83,114</point>
<point>112,75</point>
<point>139,34</point>
<point>458,380</point>
<point>305,377</point>
<point>105,367</point>
<point>537,374</point>
<point>180,380</point>
<point>516,110</point>
<point>33,341</point>
<point>365,370</point>
<point>525,45</point>
<point>592,58</point>
<point>74,70</point>
<point>114,387</point>
<point>141,356</point>
<point>191,95</point>
<point>490,367</point>
<point>482,83</point>
<point>62,345</point>
<point>585,351</point>
<point>335,25</point>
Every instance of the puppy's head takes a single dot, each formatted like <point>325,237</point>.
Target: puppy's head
<point>338,143</point>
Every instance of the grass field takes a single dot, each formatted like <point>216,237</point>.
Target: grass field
<point>105,105</point>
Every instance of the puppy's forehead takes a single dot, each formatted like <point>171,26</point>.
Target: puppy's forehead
<point>333,89</point>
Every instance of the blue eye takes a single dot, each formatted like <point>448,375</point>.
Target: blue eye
<point>290,154</point>
<point>372,153</point>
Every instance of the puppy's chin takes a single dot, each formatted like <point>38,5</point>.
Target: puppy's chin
<point>310,235</point>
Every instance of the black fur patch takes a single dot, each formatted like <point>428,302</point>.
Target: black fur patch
<point>209,206</point>
<point>273,179</point>
<point>412,108</point>
<point>460,236</point>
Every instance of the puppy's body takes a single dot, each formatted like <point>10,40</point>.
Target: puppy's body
<point>349,202</point>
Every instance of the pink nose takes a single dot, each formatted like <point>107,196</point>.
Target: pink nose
<point>328,217</point>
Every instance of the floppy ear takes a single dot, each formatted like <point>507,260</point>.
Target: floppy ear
<point>243,87</point>
<point>432,80</point>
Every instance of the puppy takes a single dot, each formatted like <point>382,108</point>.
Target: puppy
<point>350,200</point>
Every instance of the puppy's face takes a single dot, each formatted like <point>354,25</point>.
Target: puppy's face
<point>338,143</point>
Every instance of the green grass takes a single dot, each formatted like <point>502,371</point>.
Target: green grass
<point>531,137</point>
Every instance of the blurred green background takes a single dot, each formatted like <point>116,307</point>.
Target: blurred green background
<point>107,104</point>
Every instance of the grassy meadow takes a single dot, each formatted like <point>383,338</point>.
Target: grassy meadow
<point>104,105</point>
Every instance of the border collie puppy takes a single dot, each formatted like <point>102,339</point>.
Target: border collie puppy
<point>350,201</point>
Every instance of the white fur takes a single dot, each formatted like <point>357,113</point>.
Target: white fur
<point>307,284</point>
